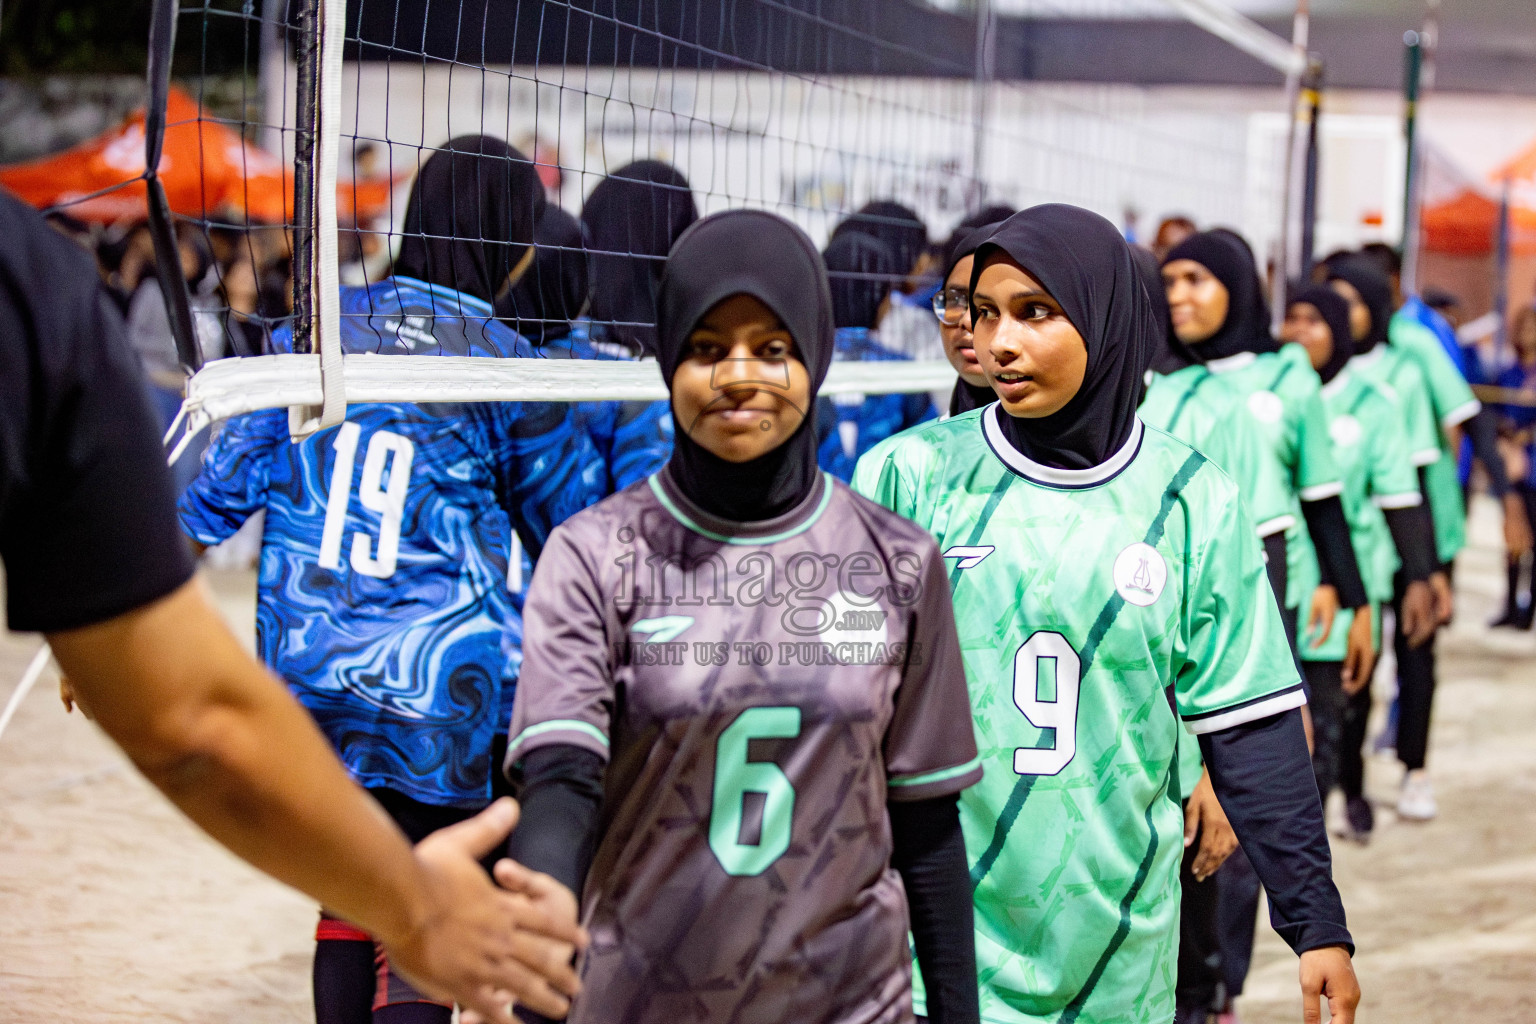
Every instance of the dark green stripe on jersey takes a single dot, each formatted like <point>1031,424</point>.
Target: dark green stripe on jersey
<point>1075,1007</point>
<point>993,500</point>
<point>1101,625</point>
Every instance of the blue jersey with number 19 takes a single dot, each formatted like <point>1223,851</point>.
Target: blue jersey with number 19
<point>383,593</point>
<point>1084,600</point>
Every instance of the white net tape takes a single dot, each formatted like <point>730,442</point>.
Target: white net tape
<point>232,387</point>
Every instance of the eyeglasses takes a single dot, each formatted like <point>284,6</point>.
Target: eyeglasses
<point>951,305</point>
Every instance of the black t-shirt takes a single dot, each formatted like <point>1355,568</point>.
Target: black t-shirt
<point>87,515</point>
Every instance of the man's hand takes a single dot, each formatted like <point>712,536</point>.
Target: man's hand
<point>544,894</point>
<point>481,945</point>
<point>1204,817</point>
<point>1359,652</point>
<point>1517,528</point>
<point>1325,605</point>
<point>1445,601</point>
<point>1328,972</point>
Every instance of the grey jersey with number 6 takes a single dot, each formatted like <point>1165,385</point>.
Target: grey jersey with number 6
<point>759,692</point>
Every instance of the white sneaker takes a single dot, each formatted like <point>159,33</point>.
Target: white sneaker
<point>1417,800</point>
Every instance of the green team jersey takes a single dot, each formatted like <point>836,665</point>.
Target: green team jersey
<point>1207,412</point>
<point>1283,396</point>
<point>1453,403</point>
<point>1096,610</point>
<point>1201,409</point>
<point>1370,449</point>
<point>1398,376</point>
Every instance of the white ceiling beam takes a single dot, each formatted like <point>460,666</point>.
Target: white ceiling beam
<point>1244,33</point>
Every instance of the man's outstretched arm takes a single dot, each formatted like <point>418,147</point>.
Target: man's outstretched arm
<point>228,744</point>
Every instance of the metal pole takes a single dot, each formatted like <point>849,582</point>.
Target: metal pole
<point>273,57</point>
<point>1413,65</point>
<point>1312,96</point>
<point>986,58</point>
<point>1286,263</point>
<point>1501,280</point>
<point>307,82</point>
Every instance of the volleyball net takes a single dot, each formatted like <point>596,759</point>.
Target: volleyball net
<point>324,112</point>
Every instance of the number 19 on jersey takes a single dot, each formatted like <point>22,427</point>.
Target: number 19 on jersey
<point>386,498</point>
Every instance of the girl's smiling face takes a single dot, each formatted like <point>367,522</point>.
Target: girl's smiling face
<point>741,389</point>
<point>1031,353</point>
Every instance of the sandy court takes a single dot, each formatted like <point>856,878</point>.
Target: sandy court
<point>113,908</point>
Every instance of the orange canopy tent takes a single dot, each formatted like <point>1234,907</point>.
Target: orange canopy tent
<point>208,170</point>
<point>1466,222</point>
<point>1468,225</point>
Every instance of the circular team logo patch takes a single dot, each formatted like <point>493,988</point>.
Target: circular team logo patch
<point>1140,574</point>
<point>1266,406</point>
<point>1345,431</point>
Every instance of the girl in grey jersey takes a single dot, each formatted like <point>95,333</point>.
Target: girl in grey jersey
<point>742,720</point>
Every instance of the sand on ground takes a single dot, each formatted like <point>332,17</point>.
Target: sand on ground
<point>113,908</point>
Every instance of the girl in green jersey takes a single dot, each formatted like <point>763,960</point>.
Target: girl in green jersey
<point>1101,567</point>
<point>1388,522</point>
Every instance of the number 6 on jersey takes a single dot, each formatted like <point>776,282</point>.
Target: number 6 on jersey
<point>735,777</point>
<point>1045,663</point>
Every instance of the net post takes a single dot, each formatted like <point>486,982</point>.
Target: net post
<point>1312,94</point>
<point>316,306</point>
<point>1413,66</point>
<point>162,230</point>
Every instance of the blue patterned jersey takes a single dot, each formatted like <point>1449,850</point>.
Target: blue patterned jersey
<point>384,600</point>
<point>634,439</point>
<point>852,424</point>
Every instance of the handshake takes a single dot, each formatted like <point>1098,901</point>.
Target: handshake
<point>487,947</point>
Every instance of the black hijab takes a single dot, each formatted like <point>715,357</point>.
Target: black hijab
<point>550,295</point>
<point>1081,260</point>
<point>1375,290</point>
<point>632,219</point>
<point>895,225</point>
<point>1230,261</point>
<point>1334,310</point>
<point>1170,354</point>
<point>471,215</point>
<point>861,270</point>
<point>967,396</point>
<point>747,252</point>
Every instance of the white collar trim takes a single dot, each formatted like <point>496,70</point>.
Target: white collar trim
<point>1339,382</point>
<point>1227,364</point>
<point>1370,358</point>
<point>1051,476</point>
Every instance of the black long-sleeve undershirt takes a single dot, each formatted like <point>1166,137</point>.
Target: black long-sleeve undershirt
<point>561,795</point>
<point>1329,530</point>
<point>1413,533</point>
<point>1275,565</point>
<point>1483,431</point>
<point>929,852</point>
<point>1429,509</point>
<point>1262,775</point>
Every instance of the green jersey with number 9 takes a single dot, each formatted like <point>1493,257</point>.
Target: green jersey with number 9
<point>1084,599</point>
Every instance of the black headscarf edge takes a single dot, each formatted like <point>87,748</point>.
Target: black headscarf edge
<point>737,253</point>
<point>1077,255</point>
